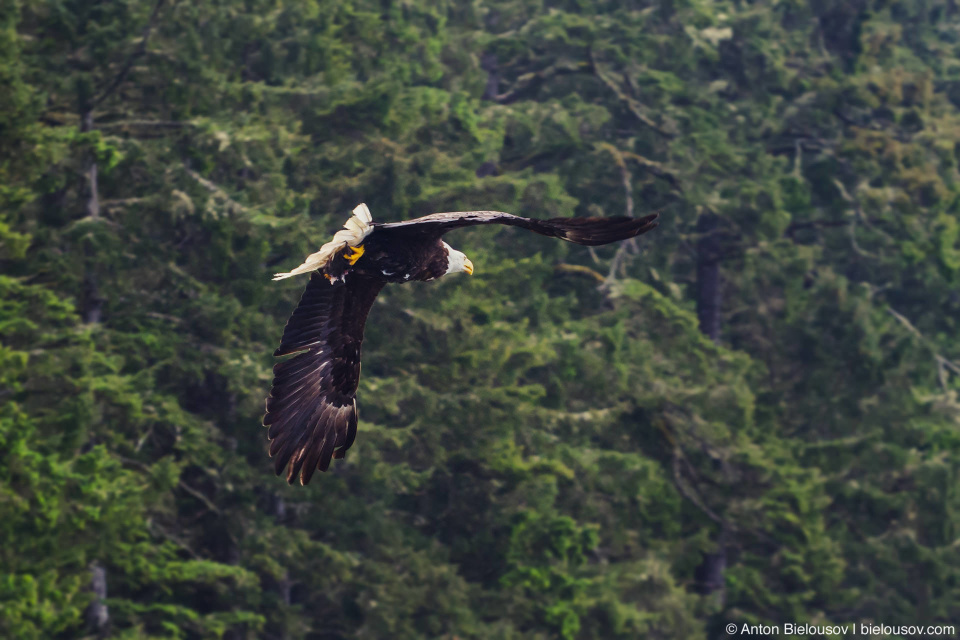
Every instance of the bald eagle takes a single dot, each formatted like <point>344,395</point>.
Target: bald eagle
<point>312,407</point>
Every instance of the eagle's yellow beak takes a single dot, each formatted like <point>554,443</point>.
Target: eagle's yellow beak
<point>468,266</point>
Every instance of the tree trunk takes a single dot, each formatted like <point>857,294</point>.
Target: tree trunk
<point>92,305</point>
<point>709,574</point>
<point>489,64</point>
<point>93,196</point>
<point>97,614</point>
<point>708,276</point>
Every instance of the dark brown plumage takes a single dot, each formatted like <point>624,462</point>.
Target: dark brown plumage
<point>586,231</point>
<point>312,409</point>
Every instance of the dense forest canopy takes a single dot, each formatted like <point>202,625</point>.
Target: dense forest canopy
<point>749,415</point>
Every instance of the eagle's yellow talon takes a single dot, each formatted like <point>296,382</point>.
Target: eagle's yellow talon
<point>354,255</point>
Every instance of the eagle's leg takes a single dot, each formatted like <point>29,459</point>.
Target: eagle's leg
<point>354,255</point>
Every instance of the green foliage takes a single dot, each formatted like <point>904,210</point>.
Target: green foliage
<point>538,457</point>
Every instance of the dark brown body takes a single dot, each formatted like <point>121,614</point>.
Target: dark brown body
<point>394,256</point>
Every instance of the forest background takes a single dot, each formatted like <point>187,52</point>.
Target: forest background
<point>749,415</point>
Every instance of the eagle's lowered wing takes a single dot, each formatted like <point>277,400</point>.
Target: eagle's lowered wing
<point>312,411</point>
<point>586,231</point>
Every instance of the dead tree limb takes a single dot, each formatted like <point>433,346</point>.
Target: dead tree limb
<point>655,168</point>
<point>217,191</point>
<point>631,244</point>
<point>137,53</point>
<point>530,82</point>
<point>633,105</point>
<point>580,269</point>
<point>943,364</point>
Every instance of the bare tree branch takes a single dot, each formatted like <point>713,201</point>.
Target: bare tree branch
<point>943,364</point>
<point>678,482</point>
<point>655,168</point>
<point>138,52</point>
<point>215,190</point>
<point>625,246</point>
<point>199,496</point>
<point>529,82</point>
<point>793,227</point>
<point>145,124</point>
<point>119,203</point>
<point>580,269</point>
<point>633,105</point>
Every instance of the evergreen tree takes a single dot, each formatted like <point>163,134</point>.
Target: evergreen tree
<point>758,399</point>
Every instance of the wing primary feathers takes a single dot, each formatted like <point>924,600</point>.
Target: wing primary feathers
<point>326,450</point>
<point>595,231</point>
<point>315,450</point>
<point>586,231</point>
<point>350,435</point>
<point>312,411</point>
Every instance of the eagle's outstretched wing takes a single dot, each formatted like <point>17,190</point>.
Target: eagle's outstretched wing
<point>312,411</point>
<point>587,231</point>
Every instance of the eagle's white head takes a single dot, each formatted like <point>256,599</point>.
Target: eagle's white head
<point>457,261</point>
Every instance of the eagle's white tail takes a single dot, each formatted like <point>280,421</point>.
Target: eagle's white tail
<point>354,231</point>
